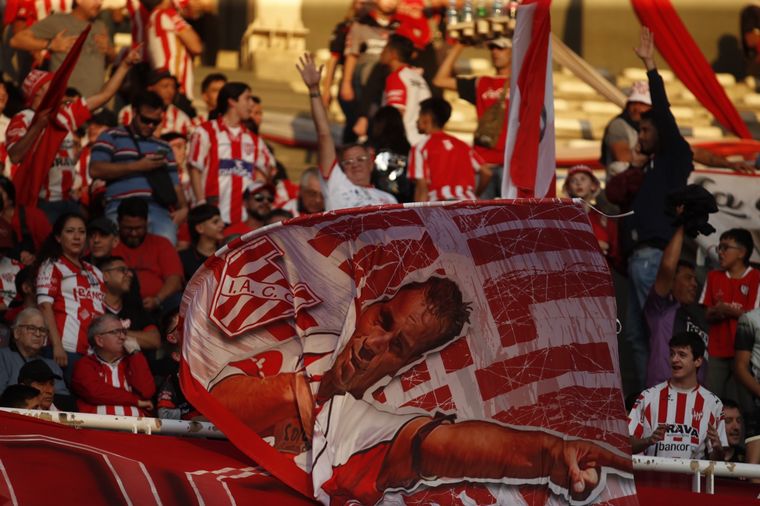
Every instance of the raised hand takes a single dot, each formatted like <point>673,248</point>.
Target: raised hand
<point>310,74</point>
<point>134,56</point>
<point>645,50</point>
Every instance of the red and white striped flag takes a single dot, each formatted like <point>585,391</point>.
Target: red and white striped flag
<point>529,159</point>
<point>451,350</point>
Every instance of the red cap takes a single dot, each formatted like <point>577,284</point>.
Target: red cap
<point>33,82</point>
<point>575,170</point>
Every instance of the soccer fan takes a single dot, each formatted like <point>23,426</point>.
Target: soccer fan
<point>172,44</point>
<point>136,164</point>
<point>442,166</point>
<point>657,423</point>
<point>112,381</point>
<point>622,133</point>
<point>37,374</point>
<point>346,183</point>
<point>210,88</point>
<point>670,309</point>
<point>405,87</point>
<point>26,126</point>
<point>484,92</point>
<point>728,293</point>
<point>90,190</point>
<point>118,279</point>
<point>310,198</point>
<point>9,267</point>
<point>734,432</point>
<point>58,32</point>
<point>258,205</point>
<point>29,336</point>
<point>26,294</point>
<point>206,231</point>
<point>69,290</point>
<point>30,225</point>
<point>225,157</point>
<point>158,266</point>
<point>747,371</point>
<point>20,397</point>
<point>173,119</point>
<point>582,183</point>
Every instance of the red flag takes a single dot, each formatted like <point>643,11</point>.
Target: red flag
<point>35,166</point>
<point>96,467</point>
<point>529,159</point>
<point>329,347</point>
<point>677,46</point>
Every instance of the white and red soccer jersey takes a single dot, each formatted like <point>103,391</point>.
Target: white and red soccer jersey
<point>77,297</point>
<point>687,414</point>
<point>139,16</point>
<point>167,51</point>
<point>341,193</point>
<point>60,179</point>
<point>31,11</point>
<point>721,287</point>
<point>447,164</point>
<point>8,270</point>
<point>112,388</point>
<point>405,89</point>
<point>229,160</point>
<point>175,120</point>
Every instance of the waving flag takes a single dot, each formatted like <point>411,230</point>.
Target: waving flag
<point>529,159</point>
<point>35,166</point>
<point>453,352</point>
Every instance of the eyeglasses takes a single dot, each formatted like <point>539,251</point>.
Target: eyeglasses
<point>122,269</point>
<point>261,198</point>
<point>40,331</point>
<point>117,332</point>
<point>726,247</point>
<point>349,162</point>
<point>150,121</point>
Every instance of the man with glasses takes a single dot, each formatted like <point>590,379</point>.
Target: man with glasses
<point>29,336</point>
<point>135,163</point>
<point>258,198</point>
<point>111,381</point>
<point>346,179</point>
<point>118,278</point>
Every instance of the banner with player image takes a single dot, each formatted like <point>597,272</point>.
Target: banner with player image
<point>443,353</point>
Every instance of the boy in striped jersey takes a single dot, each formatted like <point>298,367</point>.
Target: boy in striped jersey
<point>679,418</point>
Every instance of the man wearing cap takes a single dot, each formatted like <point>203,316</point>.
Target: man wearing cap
<point>258,198</point>
<point>29,336</point>
<point>58,32</point>
<point>55,197</point>
<point>163,84</point>
<point>91,190</point>
<point>37,373</point>
<point>485,93</point>
<point>622,132</point>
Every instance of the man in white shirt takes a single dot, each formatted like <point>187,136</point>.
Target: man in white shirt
<point>346,181</point>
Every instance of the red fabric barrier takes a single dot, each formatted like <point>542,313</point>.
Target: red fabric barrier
<point>683,55</point>
<point>102,468</point>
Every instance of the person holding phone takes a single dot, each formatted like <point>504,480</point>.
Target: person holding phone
<point>135,163</point>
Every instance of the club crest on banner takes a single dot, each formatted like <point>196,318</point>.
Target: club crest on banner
<point>255,291</point>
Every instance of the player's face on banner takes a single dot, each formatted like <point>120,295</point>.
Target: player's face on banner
<point>388,336</point>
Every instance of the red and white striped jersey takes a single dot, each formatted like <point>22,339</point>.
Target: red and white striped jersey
<point>5,164</point>
<point>405,89</point>
<point>112,388</point>
<point>687,414</point>
<point>60,179</point>
<point>447,164</point>
<point>229,160</point>
<point>76,295</point>
<point>31,11</point>
<point>175,120</point>
<point>167,51</point>
<point>8,270</point>
<point>139,16</point>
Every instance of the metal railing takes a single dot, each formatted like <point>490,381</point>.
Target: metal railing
<point>697,468</point>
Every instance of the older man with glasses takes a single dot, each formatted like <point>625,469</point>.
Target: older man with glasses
<point>112,381</point>
<point>29,336</point>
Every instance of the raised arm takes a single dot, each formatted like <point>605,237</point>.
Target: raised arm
<point>667,272</point>
<point>311,76</point>
<point>112,86</point>
<point>444,77</point>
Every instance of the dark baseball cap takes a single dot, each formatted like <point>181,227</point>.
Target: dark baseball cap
<point>104,225</point>
<point>159,74</point>
<point>36,370</point>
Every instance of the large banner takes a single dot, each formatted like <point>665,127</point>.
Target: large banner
<point>46,463</point>
<point>738,199</point>
<point>446,353</point>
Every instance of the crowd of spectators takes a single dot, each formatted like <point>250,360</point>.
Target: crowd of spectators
<point>144,190</point>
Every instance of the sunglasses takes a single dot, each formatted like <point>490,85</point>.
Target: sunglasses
<point>261,198</point>
<point>149,121</point>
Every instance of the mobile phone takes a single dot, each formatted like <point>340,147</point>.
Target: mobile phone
<point>163,153</point>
